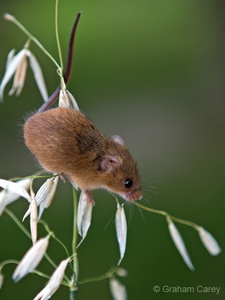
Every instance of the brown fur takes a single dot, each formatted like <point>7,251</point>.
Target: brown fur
<point>66,141</point>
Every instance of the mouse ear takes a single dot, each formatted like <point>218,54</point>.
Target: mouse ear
<point>118,139</point>
<point>109,163</point>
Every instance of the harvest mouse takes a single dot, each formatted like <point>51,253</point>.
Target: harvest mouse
<point>66,142</point>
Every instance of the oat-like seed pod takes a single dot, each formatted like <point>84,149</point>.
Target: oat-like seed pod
<point>118,290</point>
<point>31,259</point>
<point>54,282</point>
<point>179,243</point>
<point>121,230</point>
<point>209,241</point>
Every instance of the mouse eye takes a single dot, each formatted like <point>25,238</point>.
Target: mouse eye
<point>128,183</point>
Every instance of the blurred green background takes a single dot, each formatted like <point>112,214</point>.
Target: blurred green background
<point>152,72</point>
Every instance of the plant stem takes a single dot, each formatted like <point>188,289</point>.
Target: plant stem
<point>108,274</point>
<point>75,235</point>
<point>20,225</point>
<point>164,213</point>
<point>73,293</point>
<point>33,177</point>
<point>55,94</point>
<point>17,221</point>
<point>18,24</point>
<point>6,262</point>
<point>73,288</point>
<point>57,240</point>
<point>54,236</point>
<point>188,223</point>
<point>57,34</point>
<point>50,260</point>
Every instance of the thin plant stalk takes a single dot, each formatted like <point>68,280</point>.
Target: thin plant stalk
<point>36,41</point>
<point>73,288</point>
<point>17,221</point>
<point>8,261</point>
<point>164,213</point>
<point>68,69</point>
<point>20,225</point>
<point>58,240</point>
<point>108,274</point>
<point>57,33</point>
<point>54,236</point>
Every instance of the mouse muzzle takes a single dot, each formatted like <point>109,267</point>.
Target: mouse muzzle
<point>133,195</point>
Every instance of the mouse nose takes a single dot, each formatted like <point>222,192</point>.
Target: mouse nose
<point>134,195</point>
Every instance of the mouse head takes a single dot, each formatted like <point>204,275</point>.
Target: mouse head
<point>119,171</point>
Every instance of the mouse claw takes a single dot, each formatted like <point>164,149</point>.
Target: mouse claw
<point>88,196</point>
<point>72,182</point>
<point>62,177</point>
